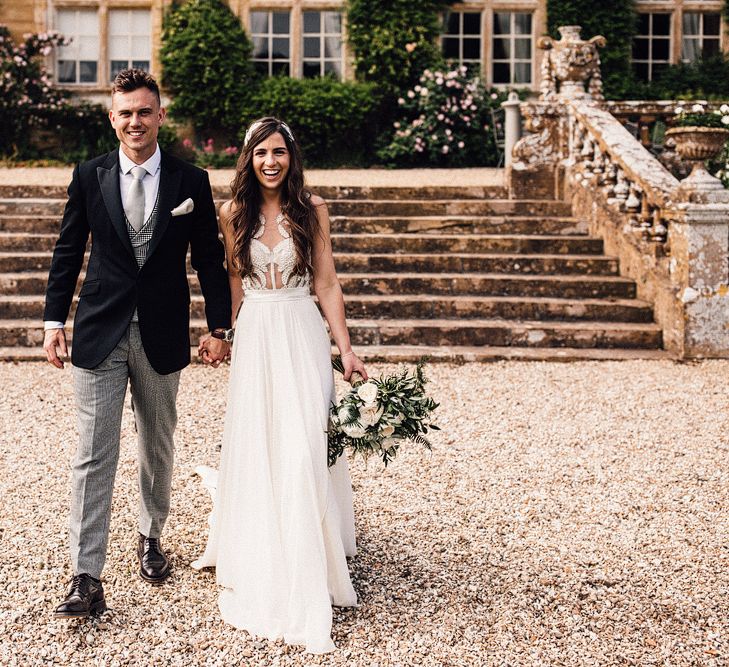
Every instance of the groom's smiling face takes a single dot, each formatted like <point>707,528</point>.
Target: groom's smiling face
<point>136,117</point>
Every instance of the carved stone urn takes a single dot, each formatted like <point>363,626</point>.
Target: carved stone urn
<point>696,145</point>
<point>571,62</point>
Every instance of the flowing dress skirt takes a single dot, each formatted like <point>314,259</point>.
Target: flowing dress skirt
<point>282,523</point>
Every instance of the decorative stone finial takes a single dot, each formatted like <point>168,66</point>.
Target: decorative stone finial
<point>569,64</point>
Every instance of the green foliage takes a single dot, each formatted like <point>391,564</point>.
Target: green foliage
<point>706,79</point>
<point>332,120</point>
<point>207,156</point>
<point>445,120</point>
<point>617,22</point>
<point>697,115</point>
<point>394,40</point>
<point>206,64</point>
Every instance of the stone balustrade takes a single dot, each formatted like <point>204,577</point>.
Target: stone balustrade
<point>671,237</point>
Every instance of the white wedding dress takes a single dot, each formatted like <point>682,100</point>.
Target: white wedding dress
<point>282,521</point>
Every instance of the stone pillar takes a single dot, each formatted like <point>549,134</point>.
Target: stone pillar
<point>512,125</point>
<point>698,239</point>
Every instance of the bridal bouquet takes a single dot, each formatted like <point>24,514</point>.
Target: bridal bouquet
<point>377,416</point>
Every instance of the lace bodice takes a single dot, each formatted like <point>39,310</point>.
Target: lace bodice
<point>273,268</point>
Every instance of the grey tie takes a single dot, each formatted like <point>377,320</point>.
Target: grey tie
<point>135,199</point>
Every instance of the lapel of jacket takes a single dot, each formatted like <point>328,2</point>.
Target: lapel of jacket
<point>169,188</point>
<point>108,176</point>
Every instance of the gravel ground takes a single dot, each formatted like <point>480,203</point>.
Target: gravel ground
<point>570,514</point>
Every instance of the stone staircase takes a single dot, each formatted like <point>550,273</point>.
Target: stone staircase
<point>458,273</point>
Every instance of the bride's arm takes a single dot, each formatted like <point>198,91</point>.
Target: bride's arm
<point>329,291</point>
<point>236,286</point>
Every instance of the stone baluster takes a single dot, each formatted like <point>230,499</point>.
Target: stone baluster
<point>658,231</point>
<point>633,205</point>
<point>621,189</point>
<point>610,181</point>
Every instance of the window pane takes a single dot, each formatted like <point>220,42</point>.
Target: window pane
<point>261,67</point>
<point>502,73</point>
<point>691,23</point>
<point>643,24</point>
<point>711,47</point>
<point>312,47</point>
<point>522,73</point>
<point>712,24</point>
<point>333,23</point>
<point>280,68</point>
<point>471,23</point>
<point>311,69</point>
<point>661,24</point>
<point>690,49</point>
<point>641,71</point>
<point>501,23</point>
<point>280,23</point>
<point>259,22</point>
<point>88,47</point>
<point>333,47</point>
<point>450,48</point>
<point>260,47</point>
<point>523,24</point>
<point>451,22</point>
<point>280,47</point>
<point>661,49</point>
<point>88,23</point>
<point>658,68</point>
<point>523,48</point>
<point>471,49</point>
<point>66,21</point>
<point>66,71</point>
<point>141,21</point>
<point>141,64</point>
<point>118,48</point>
<point>116,67</point>
<point>333,67</point>
<point>501,49</point>
<point>87,71</point>
<point>312,22</point>
<point>141,47</point>
<point>119,22</point>
<point>640,49</point>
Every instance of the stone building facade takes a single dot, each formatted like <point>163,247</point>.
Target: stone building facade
<point>308,37</point>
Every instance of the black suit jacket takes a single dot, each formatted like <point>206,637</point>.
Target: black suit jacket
<point>115,285</point>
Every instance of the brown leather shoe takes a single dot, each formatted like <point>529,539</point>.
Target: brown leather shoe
<point>153,564</point>
<point>85,598</point>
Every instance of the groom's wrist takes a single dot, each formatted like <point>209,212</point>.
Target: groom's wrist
<point>225,335</point>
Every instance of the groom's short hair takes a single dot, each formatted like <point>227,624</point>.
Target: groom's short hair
<point>133,79</point>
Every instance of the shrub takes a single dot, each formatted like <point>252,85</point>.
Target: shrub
<point>446,120</point>
<point>702,79</point>
<point>332,120</point>
<point>206,66</point>
<point>394,41</point>
<point>205,154</point>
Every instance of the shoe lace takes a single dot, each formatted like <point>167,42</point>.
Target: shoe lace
<point>153,543</point>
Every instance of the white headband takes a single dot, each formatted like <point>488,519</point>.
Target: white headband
<point>258,123</point>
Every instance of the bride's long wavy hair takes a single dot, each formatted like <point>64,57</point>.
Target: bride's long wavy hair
<point>295,199</point>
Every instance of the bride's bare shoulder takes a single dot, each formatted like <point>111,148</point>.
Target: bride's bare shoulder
<point>227,208</point>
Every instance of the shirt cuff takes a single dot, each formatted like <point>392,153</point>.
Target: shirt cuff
<point>52,324</point>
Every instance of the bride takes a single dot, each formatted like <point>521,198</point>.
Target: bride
<point>282,523</point>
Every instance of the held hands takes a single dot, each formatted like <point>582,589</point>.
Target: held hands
<point>54,344</point>
<point>353,364</point>
<point>213,351</point>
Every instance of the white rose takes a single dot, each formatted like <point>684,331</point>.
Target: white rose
<point>697,108</point>
<point>388,430</point>
<point>678,111</point>
<point>354,430</point>
<point>367,392</point>
<point>345,413</point>
<point>370,415</point>
<point>725,120</point>
<point>724,108</point>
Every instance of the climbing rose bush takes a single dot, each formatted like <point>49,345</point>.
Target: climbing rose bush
<point>446,120</point>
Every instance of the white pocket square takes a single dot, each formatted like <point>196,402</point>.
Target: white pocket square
<point>183,209</point>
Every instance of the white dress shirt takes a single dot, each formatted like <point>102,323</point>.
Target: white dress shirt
<point>150,182</point>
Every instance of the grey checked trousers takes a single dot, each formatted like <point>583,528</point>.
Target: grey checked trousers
<point>100,401</point>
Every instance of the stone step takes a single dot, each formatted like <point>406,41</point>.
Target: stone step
<point>464,225</point>
<point>464,243</point>
<point>474,263</point>
<point>446,354</point>
<point>14,333</point>
<point>448,284</point>
<point>360,207</point>
<point>11,262</point>
<point>424,307</point>
<point>329,192</point>
<point>385,243</point>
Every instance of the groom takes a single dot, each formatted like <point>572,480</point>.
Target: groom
<point>143,208</point>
